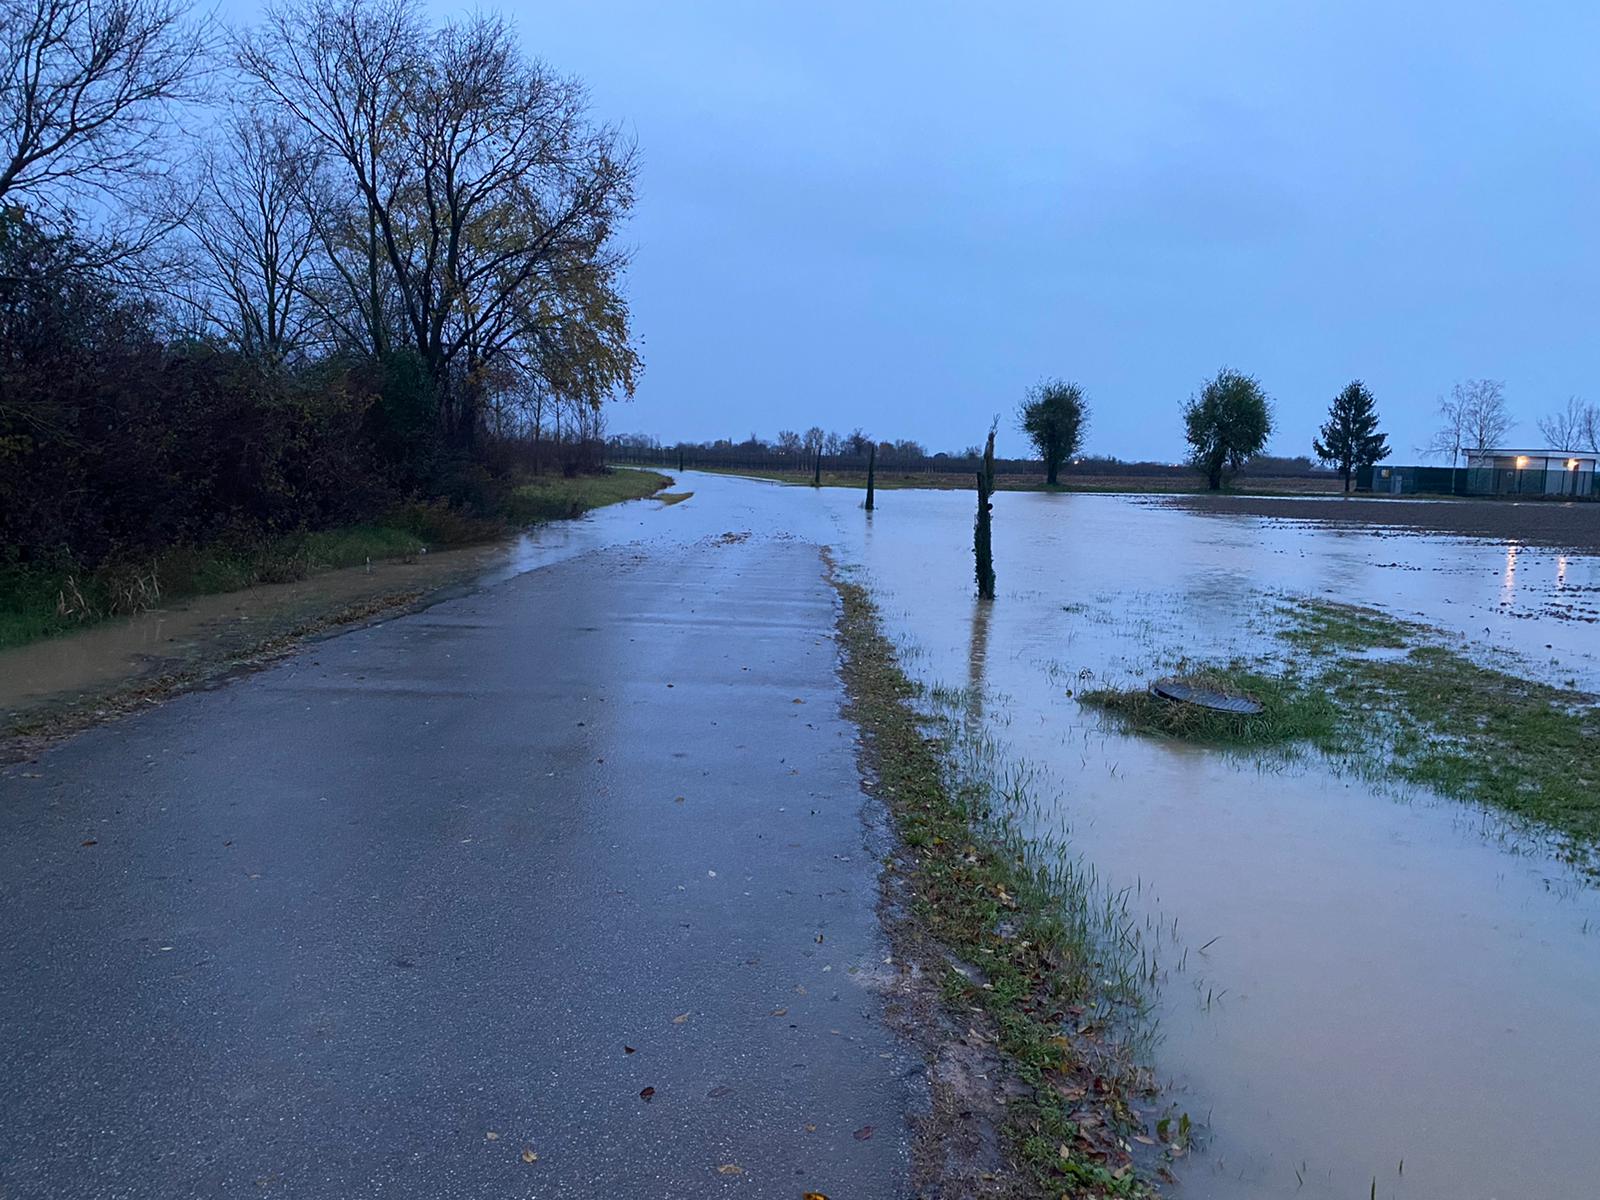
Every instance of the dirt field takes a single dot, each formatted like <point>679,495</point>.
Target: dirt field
<point>1566,526</point>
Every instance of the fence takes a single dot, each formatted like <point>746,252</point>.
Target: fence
<point>1477,481</point>
<point>1491,481</point>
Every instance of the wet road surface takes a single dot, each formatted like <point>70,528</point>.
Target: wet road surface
<point>387,918</point>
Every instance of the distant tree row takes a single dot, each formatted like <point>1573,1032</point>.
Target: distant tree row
<point>802,447</point>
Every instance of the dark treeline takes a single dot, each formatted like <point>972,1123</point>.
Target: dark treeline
<point>276,279</point>
<point>850,452</point>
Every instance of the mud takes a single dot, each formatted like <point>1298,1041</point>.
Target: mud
<point>1563,525</point>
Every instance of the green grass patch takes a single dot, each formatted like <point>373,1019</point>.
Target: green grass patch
<point>1425,714</point>
<point>1291,711</point>
<point>973,890</point>
<point>1481,734</point>
<point>554,497</point>
<point>1321,627</point>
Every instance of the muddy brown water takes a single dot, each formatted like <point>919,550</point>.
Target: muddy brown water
<point>1387,978</point>
<point>1374,976</point>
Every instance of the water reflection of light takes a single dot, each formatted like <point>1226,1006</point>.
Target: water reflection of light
<point>1561,570</point>
<point>1508,583</point>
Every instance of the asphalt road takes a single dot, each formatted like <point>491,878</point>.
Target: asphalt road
<point>388,918</point>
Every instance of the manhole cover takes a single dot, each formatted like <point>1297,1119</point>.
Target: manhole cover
<point>1190,693</point>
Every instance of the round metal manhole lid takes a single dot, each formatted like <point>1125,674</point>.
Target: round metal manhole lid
<point>1175,689</point>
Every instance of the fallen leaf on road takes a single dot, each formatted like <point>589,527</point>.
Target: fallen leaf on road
<point>813,1196</point>
<point>780,1012</point>
<point>720,1091</point>
<point>811,1128</point>
<point>628,1050</point>
<point>730,1169</point>
<point>528,1156</point>
<point>677,799</point>
<point>680,1018</point>
<point>90,842</point>
<point>646,1093</point>
<point>491,1136</point>
<point>863,1133</point>
<point>797,700</point>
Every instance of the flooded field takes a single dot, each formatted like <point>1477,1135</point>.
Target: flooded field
<point>1361,988</point>
<point>1374,977</point>
<point>1370,989</point>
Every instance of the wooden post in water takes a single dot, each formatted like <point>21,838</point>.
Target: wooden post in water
<point>872,461</point>
<point>816,474</point>
<point>680,460</point>
<point>982,549</point>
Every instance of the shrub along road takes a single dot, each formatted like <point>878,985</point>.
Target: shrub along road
<point>557,889</point>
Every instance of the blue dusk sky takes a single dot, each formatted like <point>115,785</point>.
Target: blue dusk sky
<point>899,216</point>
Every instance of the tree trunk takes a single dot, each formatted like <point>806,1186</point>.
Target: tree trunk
<point>1051,469</point>
<point>1347,481</point>
<point>1214,481</point>
<point>982,546</point>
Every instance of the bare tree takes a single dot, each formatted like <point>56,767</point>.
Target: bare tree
<point>1565,429</point>
<point>1451,434</point>
<point>489,196</point>
<point>1484,402</point>
<point>1589,429</point>
<point>1473,417</point>
<point>251,220</point>
<point>340,69</point>
<point>86,95</point>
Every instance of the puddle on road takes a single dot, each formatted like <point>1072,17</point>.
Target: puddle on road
<point>61,672</point>
<point>1386,977</point>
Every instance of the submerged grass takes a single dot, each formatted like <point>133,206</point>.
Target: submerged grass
<point>1291,711</point>
<point>1024,930</point>
<point>40,602</point>
<point>553,497</point>
<point>1425,714</point>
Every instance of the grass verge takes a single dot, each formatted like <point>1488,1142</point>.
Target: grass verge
<point>1025,969</point>
<point>37,603</point>
<point>552,497</point>
<point>1419,712</point>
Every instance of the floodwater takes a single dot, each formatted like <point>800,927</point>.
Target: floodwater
<point>197,631</point>
<point>1396,993</point>
<point>1368,989</point>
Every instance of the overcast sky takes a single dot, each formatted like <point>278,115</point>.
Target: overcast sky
<point>901,215</point>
